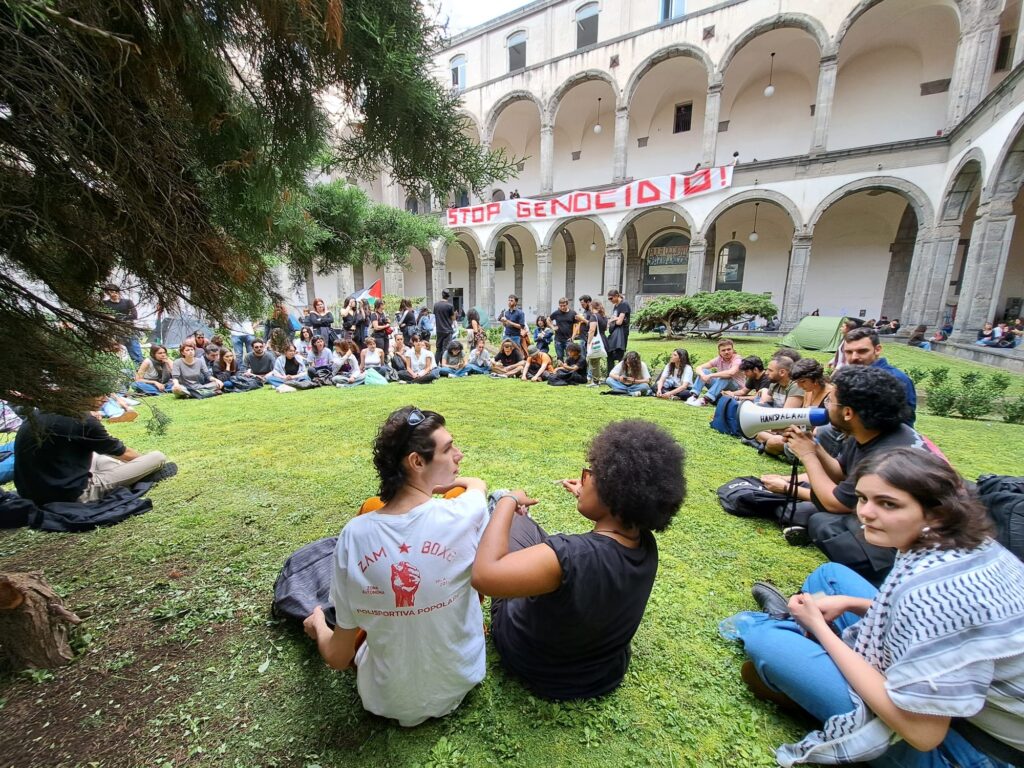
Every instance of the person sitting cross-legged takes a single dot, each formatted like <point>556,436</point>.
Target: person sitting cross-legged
<point>345,368</point>
<point>676,377</point>
<point>508,361</point>
<point>565,607</point>
<point>453,361</point>
<point>259,362</point>
<point>755,379</point>
<point>372,358</point>
<point>402,574</point>
<point>420,368</point>
<point>154,375</point>
<point>572,370</point>
<point>537,366</point>
<point>720,374</point>
<point>630,376</point>
<point>480,360</point>
<point>289,367</point>
<point>189,374</point>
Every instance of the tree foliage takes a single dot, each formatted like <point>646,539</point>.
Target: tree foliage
<point>685,315</point>
<point>158,143</point>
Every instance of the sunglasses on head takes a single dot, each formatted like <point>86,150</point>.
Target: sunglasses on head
<point>415,417</point>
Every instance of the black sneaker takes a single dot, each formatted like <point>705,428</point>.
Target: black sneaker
<point>796,535</point>
<point>170,469</point>
<point>770,599</point>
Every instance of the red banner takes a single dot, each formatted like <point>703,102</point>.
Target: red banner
<point>637,194</point>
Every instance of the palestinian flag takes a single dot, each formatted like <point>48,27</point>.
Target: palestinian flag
<point>373,294</point>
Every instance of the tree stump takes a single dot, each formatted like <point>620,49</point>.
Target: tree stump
<point>33,622</point>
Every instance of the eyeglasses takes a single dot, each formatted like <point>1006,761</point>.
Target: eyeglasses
<point>415,417</point>
<point>585,474</point>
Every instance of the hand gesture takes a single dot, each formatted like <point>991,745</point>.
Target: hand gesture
<point>800,442</point>
<point>572,486</point>
<point>315,622</point>
<point>805,610</point>
<point>832,606</point>
<point>775,483</point>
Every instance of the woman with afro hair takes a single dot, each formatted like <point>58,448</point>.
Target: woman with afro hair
<point>566,606</point>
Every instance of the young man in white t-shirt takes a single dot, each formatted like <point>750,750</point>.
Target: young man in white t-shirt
<point>402,574</point>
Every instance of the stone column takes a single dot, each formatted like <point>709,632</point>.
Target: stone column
<point>986,266</point>
<point>827,69</point>
<point>975,57</point>
<point>394,278</point>
<point>486,277</point>
<point>346,281</point>
<point>438,269</point>
<point>543,280</point>
<point>547,159</point>
<point>928,287</point>
<point>695,265</point>
<point>796,280</point>
<point>712,110</point>
<point>621,140</point>
<point>612,269</point>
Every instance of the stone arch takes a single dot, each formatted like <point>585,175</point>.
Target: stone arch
<point>913,194</point>
<point>636,213</point>
<point>685,50</point>
<point>866,5</point>
<point>471,273</point>
<point>753,196</point>
<point>558,226</point>
<point>469,234</point>
<point>428,268</point>
<point>1008,170</point>
<point>470,118</point>
<point>809,24</point>
<point>964,182</point>
<point>501,232</point>
<point>580,77</point>
<point>499,106</point>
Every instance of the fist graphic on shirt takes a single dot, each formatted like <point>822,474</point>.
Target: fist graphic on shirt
<point>405,580</point>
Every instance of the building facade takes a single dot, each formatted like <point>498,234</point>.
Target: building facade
<point>878,151</point>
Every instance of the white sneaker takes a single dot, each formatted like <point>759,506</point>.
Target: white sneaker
<point>638,393</point>
<point>593,384</point>
<point>696,402</point>
<point>131,401</point>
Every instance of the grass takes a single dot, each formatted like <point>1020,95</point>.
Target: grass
<point>182,664</point>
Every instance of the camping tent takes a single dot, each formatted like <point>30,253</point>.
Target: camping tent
<point>813,332</point>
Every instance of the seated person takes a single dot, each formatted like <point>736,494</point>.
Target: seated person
<point>190,372</point>
<point>479,358</point>
<point>630,376</point>
<point>398,352</point>
<point>345,364</point>
<point>116,409</point>
<point>986,335</point>
<point>419,363</point>
<point>934,655</point>
<point>565,607</point>
<point>868,406</point>
<point>288,367</point>
<point>508,361</point>
<point>676,378</point>
<point>212,350</point>
<point>810,377</point>
<point>372,357</point>
<point>453,362</point>
<point>537,366</point>
<point>917,339</point>
<point>304,343</point>
<point>67,458</point>
<point>543,333</point>
<point>755,379</point>
<point>154,375</point>
<point>226,368</point>
<point>783,392</point>
<point>402,574</point>
<point>259,362</point>
<point>318,355</point>
<point>572,370</point>
<point>722,373</point>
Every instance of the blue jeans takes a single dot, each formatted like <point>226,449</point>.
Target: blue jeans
<point>276,381</point>
<point>146,388</point>
<point>715,388</point>
<point>452,372</point>
<point>790,662</point>
<point>560,349</point>
<point>134,350</point>
<point>618,386</point>
<point>469,369</point>
<point>242,344</point>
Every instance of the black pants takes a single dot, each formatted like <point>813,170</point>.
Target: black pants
<point>443,340</point>
<point>840,537</point>
<point>523,533</point>
<point>615,357</point>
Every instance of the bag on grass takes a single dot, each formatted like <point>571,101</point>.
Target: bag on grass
<point>747,497</point>
<point>305,582</point>
<point>727,417</point>
<point>1003,497</point>
<point>374,379</point>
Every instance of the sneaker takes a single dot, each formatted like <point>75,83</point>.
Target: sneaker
<point>770,599</point>
<point>696,402</point>
<point>796,535</point>
<point>636,394</point>
<point>131,401</point>
<point>170,469</point>
<point>593,384</point>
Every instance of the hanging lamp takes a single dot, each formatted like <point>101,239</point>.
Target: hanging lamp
<point>769,90</point>
<point>753,236</point>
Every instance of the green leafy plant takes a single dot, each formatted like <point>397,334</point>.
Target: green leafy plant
<point>1000,381</point>
<point>974,402</point>
<point>684,315</point>
<point>970,379</point>
<point>942,398</point>
<point>938,376</point>
<point>917,374</point>
<point>1013,410</point>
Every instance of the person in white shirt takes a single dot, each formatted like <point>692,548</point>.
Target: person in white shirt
<point>402,574</point>
<point>347,371</point>
<point>420,367</point>
<point>676,378</point>
<point>243,334</point>
<point>630,376</point>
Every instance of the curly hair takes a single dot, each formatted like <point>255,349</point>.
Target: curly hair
<point>396,439</point>
<point>955,518</point>
<point>863,332</point>
<point>876,396</point>
<point>631,365</point>
<point>638,469</point>
<point>807,368</point>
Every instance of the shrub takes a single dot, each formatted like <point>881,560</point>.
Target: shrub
<point>938,376</point>
<point>1013,409</point>
<point>975,402</point>
<point>917,374</point>
<point>970,379</point>
<point>683,315</point>
<point>1000,382</point>
<point>942,398</point>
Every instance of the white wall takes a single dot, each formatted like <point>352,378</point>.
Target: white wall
<point>768,258</point>
<point>766,128</point>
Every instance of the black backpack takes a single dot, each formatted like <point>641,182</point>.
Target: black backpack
<point>1003,497</point>
<point>747,497</point>
<point>305,582</point>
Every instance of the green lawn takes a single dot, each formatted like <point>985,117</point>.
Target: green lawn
<point>181,663</point>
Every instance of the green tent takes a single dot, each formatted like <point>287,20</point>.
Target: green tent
<point>822,333</point>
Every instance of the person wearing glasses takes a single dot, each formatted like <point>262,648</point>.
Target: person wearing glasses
<point>402,574</point>
<point>565,607</point>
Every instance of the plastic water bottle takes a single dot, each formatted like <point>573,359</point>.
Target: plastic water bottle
<point>733,627</point>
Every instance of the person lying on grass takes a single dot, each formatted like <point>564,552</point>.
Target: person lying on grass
<point>402,574</point>
<point>565,607</point>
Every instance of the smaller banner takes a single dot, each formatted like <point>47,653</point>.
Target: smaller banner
<point>637,194</point>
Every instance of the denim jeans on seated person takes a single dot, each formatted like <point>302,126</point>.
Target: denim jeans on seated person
<point>457,373</point>
<point>715,388</point>
<point>471,369</point>
<point>618,386</point>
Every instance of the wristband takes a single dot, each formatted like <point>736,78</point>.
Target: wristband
<point>498,495</point>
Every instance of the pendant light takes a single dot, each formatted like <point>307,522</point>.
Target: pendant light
<point>769,90</point>
<point>753,236</point>
<point>593,237</point>
<point>597,125</point>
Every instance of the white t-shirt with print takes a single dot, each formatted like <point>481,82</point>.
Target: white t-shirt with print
<point>418,360</point>
<point>405,580</point>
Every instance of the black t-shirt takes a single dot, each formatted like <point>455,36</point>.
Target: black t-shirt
<point>513,357</point>
<point>573,643</point>
<point>762,383</point>
<point>618,335</point>
<point>563,322</point>
<point>52,458</point>
<point>853,453</point>
<point>584,330</point>
<point>123,309</point>
<point>444,316</point>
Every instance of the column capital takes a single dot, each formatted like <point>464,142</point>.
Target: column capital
<point>996,209</point>
<point>547,128</point>
<point>829,60</point>
<point>697,242</point>
<point>802,239</point>
<point>486,259</point>
<point>715,87</point>
<point>614,249</point>
<point>622,111</point>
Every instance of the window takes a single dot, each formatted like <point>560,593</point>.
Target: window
<point>459,73</point>
<point>684,118</point>
<point>516,51</point>
<point>1004,53</point>
<point>463,198</point>
<point>666,264</point>
<point>499,256</point>
<point>732,259</point>
<point>672,9</point>
<point>412,205</point>
<point>586,25</point>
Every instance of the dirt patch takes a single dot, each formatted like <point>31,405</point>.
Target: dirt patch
<point>98,709</point>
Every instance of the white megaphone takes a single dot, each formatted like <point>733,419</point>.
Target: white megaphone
<point>755,418</point>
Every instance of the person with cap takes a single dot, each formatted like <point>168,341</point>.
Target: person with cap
<point>124,310</point>
<point>537,366</point>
